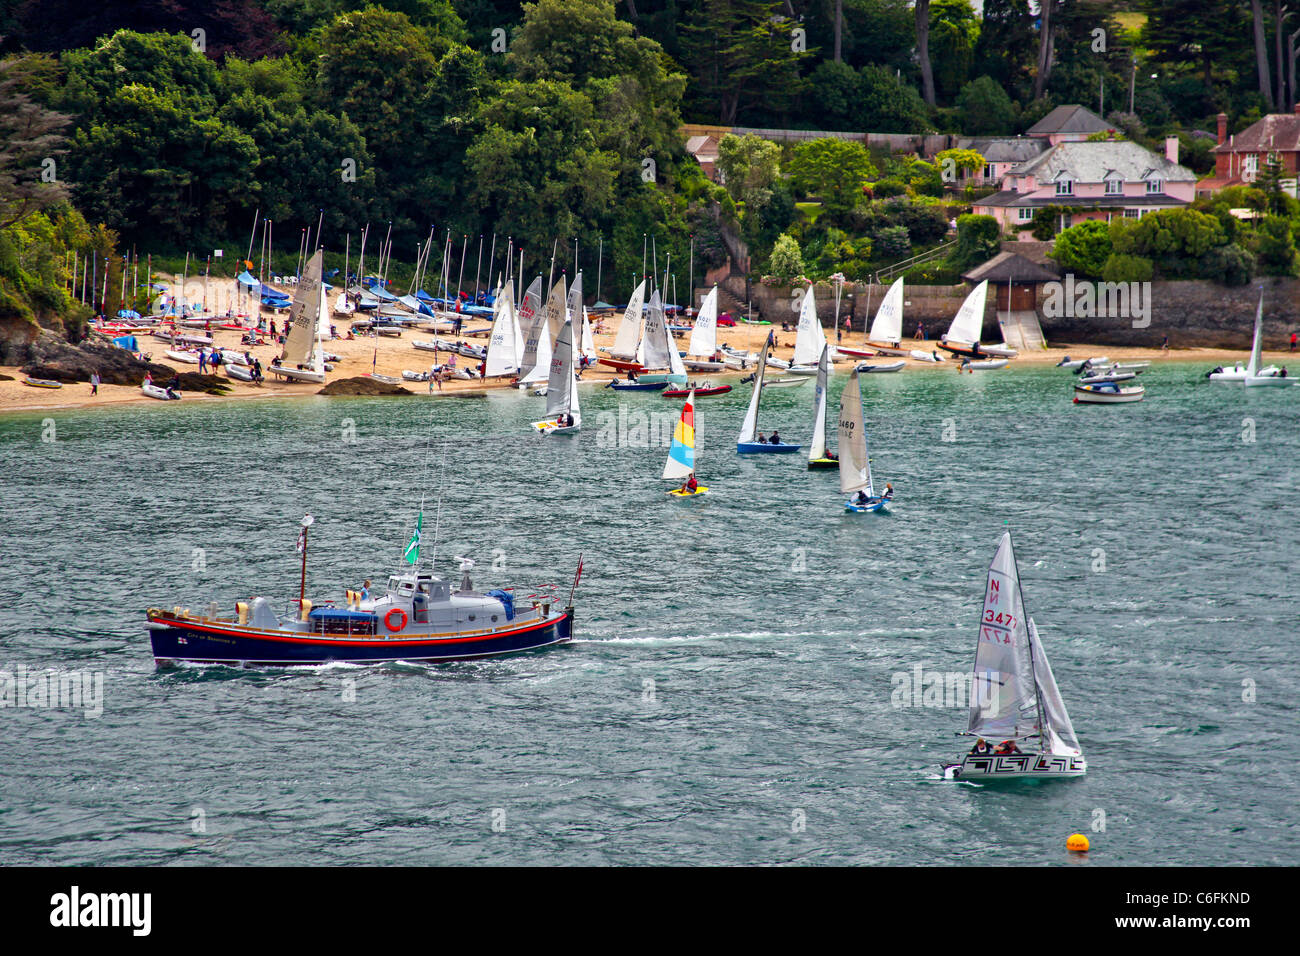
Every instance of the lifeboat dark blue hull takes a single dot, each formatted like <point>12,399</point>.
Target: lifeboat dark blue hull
<point>211,642</point>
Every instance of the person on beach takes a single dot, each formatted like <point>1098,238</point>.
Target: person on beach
<point>1165,344</point>
<point>920,331</point>
<point>94,383</point>
<point>1293,341</point>
<point>203,361</point>
<point>848,325</point>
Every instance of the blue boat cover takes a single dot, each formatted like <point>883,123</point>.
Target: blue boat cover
<point>340,614</point>
<point>127,342</point>
<point>128,314</point>
<point>507,600</point>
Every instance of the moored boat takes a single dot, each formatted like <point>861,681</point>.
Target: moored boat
<point>697,390</point>
<point>1108,393</point>
<point>867,367</point>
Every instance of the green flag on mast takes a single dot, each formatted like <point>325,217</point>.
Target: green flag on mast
<point>412,554</point>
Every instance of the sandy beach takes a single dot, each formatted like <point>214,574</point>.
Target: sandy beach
<point>393,355</point>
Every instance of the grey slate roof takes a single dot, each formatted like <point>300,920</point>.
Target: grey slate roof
<point>1016,149</point>
<point>1010,267</point>
<point>1069,119</point>
<point>1278,132</point>
<point>1096,162</point>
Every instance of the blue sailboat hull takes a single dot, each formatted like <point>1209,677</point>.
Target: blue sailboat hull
<point>764,448</point>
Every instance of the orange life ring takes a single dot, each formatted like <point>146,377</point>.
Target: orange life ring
<point>388,619</point>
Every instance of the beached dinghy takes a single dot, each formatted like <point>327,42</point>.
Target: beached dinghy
<point>622,354</point>
<point>657,350</point>
<point>240,373</point>
<point>855,462</point>
<point>748,443</point>
<point>563,415</point>
<point>680,465</point>
<point>963,337</point>
<point>302,359</point>
<point>818,456</point>
<point>866,367</point>
<point>982,365</point>
<point>1108,393</point>
<point>162,394</point>
<point>809,340</point>
<point>41,382</point>
<point>1014,699</point>
<point>182,355</point>
<point>420,617</point>
<point>921,356</point>
<point>886,334</point>
<point>636,386</point>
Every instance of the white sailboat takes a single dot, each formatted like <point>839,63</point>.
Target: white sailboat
<point>563,416</point>
<point>855,460</point>
<point>1256,376</point>
<point>967,326</point>
<point>886,334</point>
<point>622,354</point>
<point>1014,699</point>
<point>538,349</point>
<point>818,457</point>
<point>702,353</point>
<point>502,357</point>
<point>809,340</point>
<point>657,349</point>
<point>748,442</point>
<point>301,359</point>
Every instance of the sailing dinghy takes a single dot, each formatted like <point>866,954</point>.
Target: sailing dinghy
<point>539,342</point>
<point>818,456</point>
<point>886,333</point>
<point>680,465</point>
<point>657,349</point>
<point>1014,698</point>
<point>702,353</point>
<point>967,326</point>
<point>748,443</point>
<point>809,340</point>
<point>855,464</point>
<point>1256,376</point>
<point>301,359</point>
<point>623,353</point>
<point>563,417</point>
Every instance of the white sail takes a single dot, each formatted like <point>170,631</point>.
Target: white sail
<point>579,315</point>
<point>655,340</point>
<point>532,320</point>
<point>817,449</point>
<point>501,356</point>
<point>855,466</point>
<point>968,324</point>
<point>588,339</point>
<point>887,326</point>
<point>1256,345</point>
<point>704,337</point>
<point>811,337</point>
<point>303,315</point>
<point>556,310</point>
<point>323,316</point>
<point>1004,704</point>
<point>559,384</point>
<point>517,331</point>
<point>749,428</point>
<point>629,330</point>
<point>675,364</point>
<point>1058,732</point>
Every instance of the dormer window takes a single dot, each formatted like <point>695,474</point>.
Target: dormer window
<point>1155,186</point>
<point>1114,186</point>
<point>1065,187</point>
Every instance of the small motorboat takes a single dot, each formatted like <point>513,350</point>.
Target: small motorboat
<point>1107,376</point>
<point>699,390</point>
<point>1108,393</point>
<point>1235,374</point>
<point>619,386</point>
<point>882,367</point>
<point>42,382</point>
<point>1068,362</point>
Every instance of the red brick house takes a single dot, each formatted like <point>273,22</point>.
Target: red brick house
<point>1239,158</point>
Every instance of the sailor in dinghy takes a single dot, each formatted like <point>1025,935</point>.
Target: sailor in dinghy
<point>1014,698</point>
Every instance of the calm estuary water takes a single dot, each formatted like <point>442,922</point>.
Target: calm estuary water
<point>730,699</point>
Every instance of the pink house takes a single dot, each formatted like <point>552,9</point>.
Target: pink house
<point>1097,180</point>
<point>1068,124</point>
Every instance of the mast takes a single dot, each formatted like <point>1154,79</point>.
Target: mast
<point>1033,671</point>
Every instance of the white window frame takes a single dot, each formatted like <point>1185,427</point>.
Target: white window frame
<point>1024,214</point>
<point>1132,213</point>
<point>1249,167</point>
<point>1155,186</point>
<point>1065,187</point>
<point>1114,186</point>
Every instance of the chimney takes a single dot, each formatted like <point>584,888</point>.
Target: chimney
<point>1171,149</point>
<point>1297,109</point>
<point>1223,127</point>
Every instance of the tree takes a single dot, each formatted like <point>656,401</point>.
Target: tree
<point>1045,47</point>
<point>954,32</point>
<point>952,162</point>
<point>978,240</point>
<point>1004,51</point>
<point>787,260</point>
<point>1275,249</point>
<point>833,89</point>
<point>1174,239</point>
<point>1083,249</point>
<point>923,50</point>
<point>833,169</point>
<point>1261,52</point>
<point>749,166</point>
<point>741,53</point>
<point>986,109</point>
<point>31,144</point>
<point>887,103</point>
